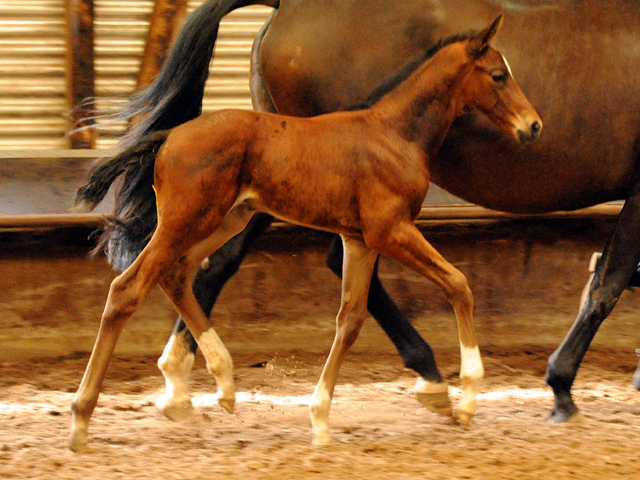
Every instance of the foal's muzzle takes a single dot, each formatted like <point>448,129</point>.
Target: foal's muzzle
<point>529,130</point>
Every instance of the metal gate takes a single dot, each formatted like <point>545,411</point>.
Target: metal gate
<point>33,109</point>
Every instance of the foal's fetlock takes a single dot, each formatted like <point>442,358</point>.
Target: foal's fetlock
<point>434,396</point>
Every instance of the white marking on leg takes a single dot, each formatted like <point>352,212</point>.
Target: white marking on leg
<point>434,396</point>
<point>471,374</point>
<point>471,363</point>
<point>319,410</point>
<point>425,386</point>
<point>220,364</point>
<point>175,364</point>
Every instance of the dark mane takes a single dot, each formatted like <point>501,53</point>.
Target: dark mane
<point>405,72</point>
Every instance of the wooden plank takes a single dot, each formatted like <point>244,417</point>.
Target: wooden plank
<point>165,21</point>
<point>80,70</point>
<point>428,216</point>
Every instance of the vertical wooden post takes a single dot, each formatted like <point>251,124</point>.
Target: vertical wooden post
<point>166,18</point>
<point>80,69</point>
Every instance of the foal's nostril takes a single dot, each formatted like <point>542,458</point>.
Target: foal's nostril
<point>536,127</point>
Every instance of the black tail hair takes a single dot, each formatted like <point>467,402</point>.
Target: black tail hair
<point>135,217</point>
<point>175,97</point>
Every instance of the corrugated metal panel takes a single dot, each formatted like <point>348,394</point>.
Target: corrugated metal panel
<point>32,71</point>
<point>32,64</point>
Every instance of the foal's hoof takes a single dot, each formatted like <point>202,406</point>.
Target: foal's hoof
<point>320,440</point>
<point>78,442</point>
<point>561,416</point>
<point>434,397</point>
<point>227,403</point>
<point>175,410</point>
<point>464,416</point>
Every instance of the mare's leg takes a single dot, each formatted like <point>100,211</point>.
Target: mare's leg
<point>178,356</point>
<point>613,271</point>
<point>127,292</point>
<point>178,288</point>
<point>358,266</point>
<point>416,354</point>
<point>406,244</point>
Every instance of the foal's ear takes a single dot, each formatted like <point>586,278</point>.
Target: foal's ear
<point>479,43</point>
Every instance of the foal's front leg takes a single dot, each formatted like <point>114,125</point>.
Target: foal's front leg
<point>406,244</point>
<point>430,390</point>
<point>357,269</point>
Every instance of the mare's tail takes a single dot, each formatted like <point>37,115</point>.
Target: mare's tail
<point>135,217</point>
<point>175,97</point>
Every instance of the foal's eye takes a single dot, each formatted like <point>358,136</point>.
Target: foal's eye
<point>499,77</point>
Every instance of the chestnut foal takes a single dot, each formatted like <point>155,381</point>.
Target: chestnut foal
<point>362,174</point>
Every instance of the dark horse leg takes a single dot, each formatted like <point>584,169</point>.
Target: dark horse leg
<point>633,282</point>
<point>612,274</point>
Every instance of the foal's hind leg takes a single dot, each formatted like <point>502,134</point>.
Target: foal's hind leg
<point>177,286</point>
<point>178,356</point>
<point>127,292</point>
<point>357,268</point>
<point>406,244</point>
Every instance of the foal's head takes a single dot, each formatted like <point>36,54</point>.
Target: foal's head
<point>490,88</point>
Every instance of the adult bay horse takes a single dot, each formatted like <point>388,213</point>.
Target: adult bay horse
<point>361,174</point>
<point>577,62</point>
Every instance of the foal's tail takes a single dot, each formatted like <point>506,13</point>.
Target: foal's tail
<point>135,217</point>
<point>175,97</point>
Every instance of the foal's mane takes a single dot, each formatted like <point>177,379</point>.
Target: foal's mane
<point>391,82</point>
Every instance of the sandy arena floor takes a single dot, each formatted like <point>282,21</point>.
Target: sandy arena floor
<point>379,429</point>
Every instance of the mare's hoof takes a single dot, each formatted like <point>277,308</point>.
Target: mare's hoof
<point>636,376</point>
<point>561,416</point>
<point>434,396</point>
<point>436,402</point>
<point>636,379</point>
<point>227,403</point>
<point>175,410</point>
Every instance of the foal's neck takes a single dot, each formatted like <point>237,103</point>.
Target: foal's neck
<point>425,105</point>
